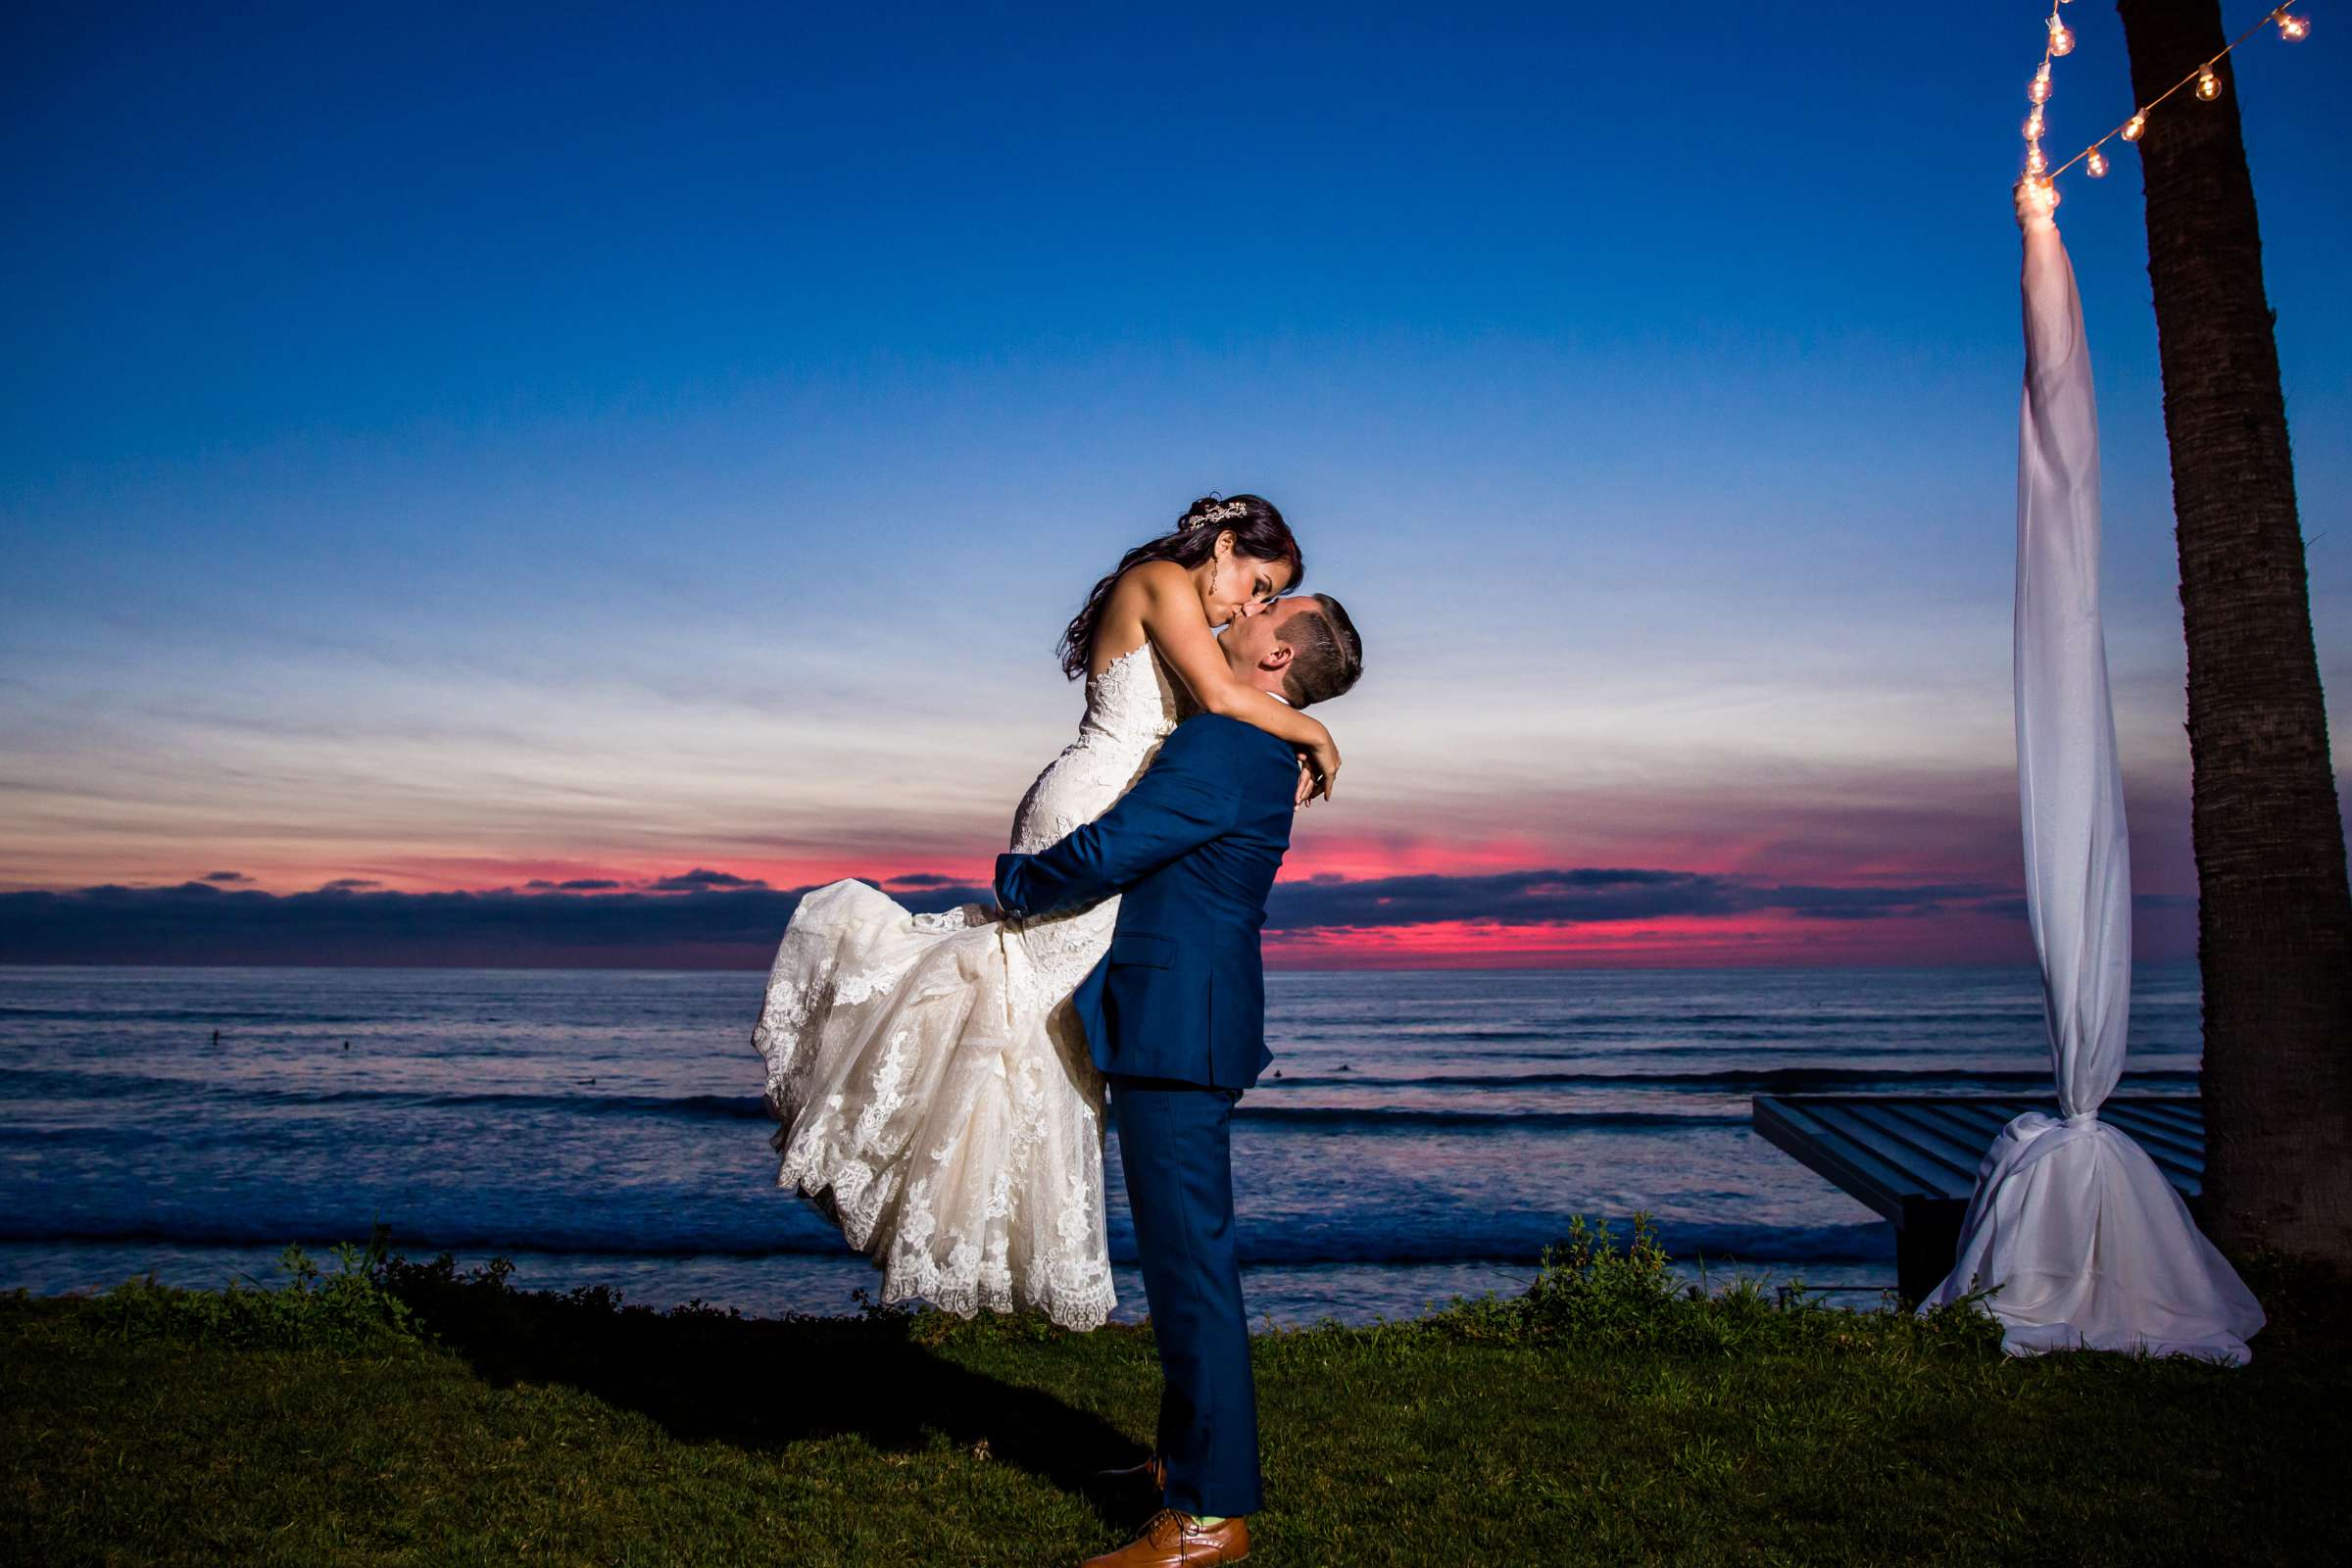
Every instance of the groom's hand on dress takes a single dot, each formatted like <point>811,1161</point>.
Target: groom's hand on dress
<point>1001,886</point>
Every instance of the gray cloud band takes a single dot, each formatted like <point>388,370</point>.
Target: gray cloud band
<point>714,918</point>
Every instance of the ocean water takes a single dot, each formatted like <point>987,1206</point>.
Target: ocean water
<point>1428,1133</point>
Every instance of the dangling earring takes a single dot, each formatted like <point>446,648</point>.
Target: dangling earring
<point>1214,566</point>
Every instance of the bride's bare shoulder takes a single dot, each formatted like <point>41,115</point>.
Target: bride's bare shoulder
<point>1121,629</point>
<point>1147,578</point>
<point>1139,588</point>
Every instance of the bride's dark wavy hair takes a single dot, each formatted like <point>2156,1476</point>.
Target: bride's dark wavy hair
<point>1259,530</point>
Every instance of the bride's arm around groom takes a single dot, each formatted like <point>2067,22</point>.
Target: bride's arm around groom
<point>1199,786</point>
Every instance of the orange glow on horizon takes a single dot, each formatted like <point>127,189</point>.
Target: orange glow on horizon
<point>1692,941</point>
<point>1950,935</point>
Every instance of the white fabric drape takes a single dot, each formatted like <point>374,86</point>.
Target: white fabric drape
<point>2089,1244</point>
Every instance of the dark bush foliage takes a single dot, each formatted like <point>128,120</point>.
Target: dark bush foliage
<point>350,1310</point>
<point>1591,1290</point>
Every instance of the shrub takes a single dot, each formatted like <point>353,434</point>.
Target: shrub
<point>1590,1291</point>
<point>350,1310</point>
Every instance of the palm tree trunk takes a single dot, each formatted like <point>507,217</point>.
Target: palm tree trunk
<point>2273,917</point>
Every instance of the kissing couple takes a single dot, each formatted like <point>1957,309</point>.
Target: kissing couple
<point>940,1079</point>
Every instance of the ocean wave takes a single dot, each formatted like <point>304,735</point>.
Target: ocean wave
<point>1417,1119</point>
<point>204,1018</point>
<point>1773,1079</point>
<point>753,1109</point>
<point>1262,1106</point>
<point>1814,1044</point>
<point>1809,1019</point>
<point>1665,1036</point>
<point>38,1085</point>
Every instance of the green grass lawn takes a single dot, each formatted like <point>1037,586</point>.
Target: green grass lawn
<point>1604,1418</point>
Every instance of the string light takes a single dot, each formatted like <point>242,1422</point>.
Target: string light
<point>2206,84</point>
<point>2060,42</point>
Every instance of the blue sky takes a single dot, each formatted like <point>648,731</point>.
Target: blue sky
<point>443,449</point>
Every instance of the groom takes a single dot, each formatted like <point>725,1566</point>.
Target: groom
<point>1175,1017</point>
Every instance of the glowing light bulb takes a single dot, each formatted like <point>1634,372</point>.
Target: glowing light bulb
<point>2062,37</point>
<point>2134,127</point>
<point>2036,164</point>
<point>2209,85</point>
<point>2095,165</point>
<point>2039,90</point>
<point>2033,125</point>
<point>2292,28</point>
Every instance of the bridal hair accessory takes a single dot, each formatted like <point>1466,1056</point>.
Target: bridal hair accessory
<point>1219,513</point>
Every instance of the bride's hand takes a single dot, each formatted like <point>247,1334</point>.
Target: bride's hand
<point>1318,769</point>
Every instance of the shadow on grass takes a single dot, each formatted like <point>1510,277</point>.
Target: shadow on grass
<point>762,1383</point>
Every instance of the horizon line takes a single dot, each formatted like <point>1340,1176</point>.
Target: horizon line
<point>1285,968</point>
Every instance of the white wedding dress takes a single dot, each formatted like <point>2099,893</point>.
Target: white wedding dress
<point>933,1085</point>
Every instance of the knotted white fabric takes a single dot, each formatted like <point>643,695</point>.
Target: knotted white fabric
<point>2089,1245</point>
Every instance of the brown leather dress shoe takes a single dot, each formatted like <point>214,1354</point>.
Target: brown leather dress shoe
<point>1172,1540</point>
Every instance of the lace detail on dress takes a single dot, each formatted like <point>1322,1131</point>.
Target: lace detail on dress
<point>933,1088</point>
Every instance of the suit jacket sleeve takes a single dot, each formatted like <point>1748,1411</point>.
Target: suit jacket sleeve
<point>1189,795</point>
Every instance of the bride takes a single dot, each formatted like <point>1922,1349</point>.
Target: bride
<point>932,1082</point>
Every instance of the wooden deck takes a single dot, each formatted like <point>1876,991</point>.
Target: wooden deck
<point>1913,1157</point>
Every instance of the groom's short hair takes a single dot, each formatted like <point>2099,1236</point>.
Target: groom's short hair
<point>1326,654</point>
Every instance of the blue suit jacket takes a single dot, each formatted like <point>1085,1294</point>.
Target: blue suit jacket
<point>1193,849</point>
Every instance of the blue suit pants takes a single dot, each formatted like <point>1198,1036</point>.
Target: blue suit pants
<point>1175,1149</point>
